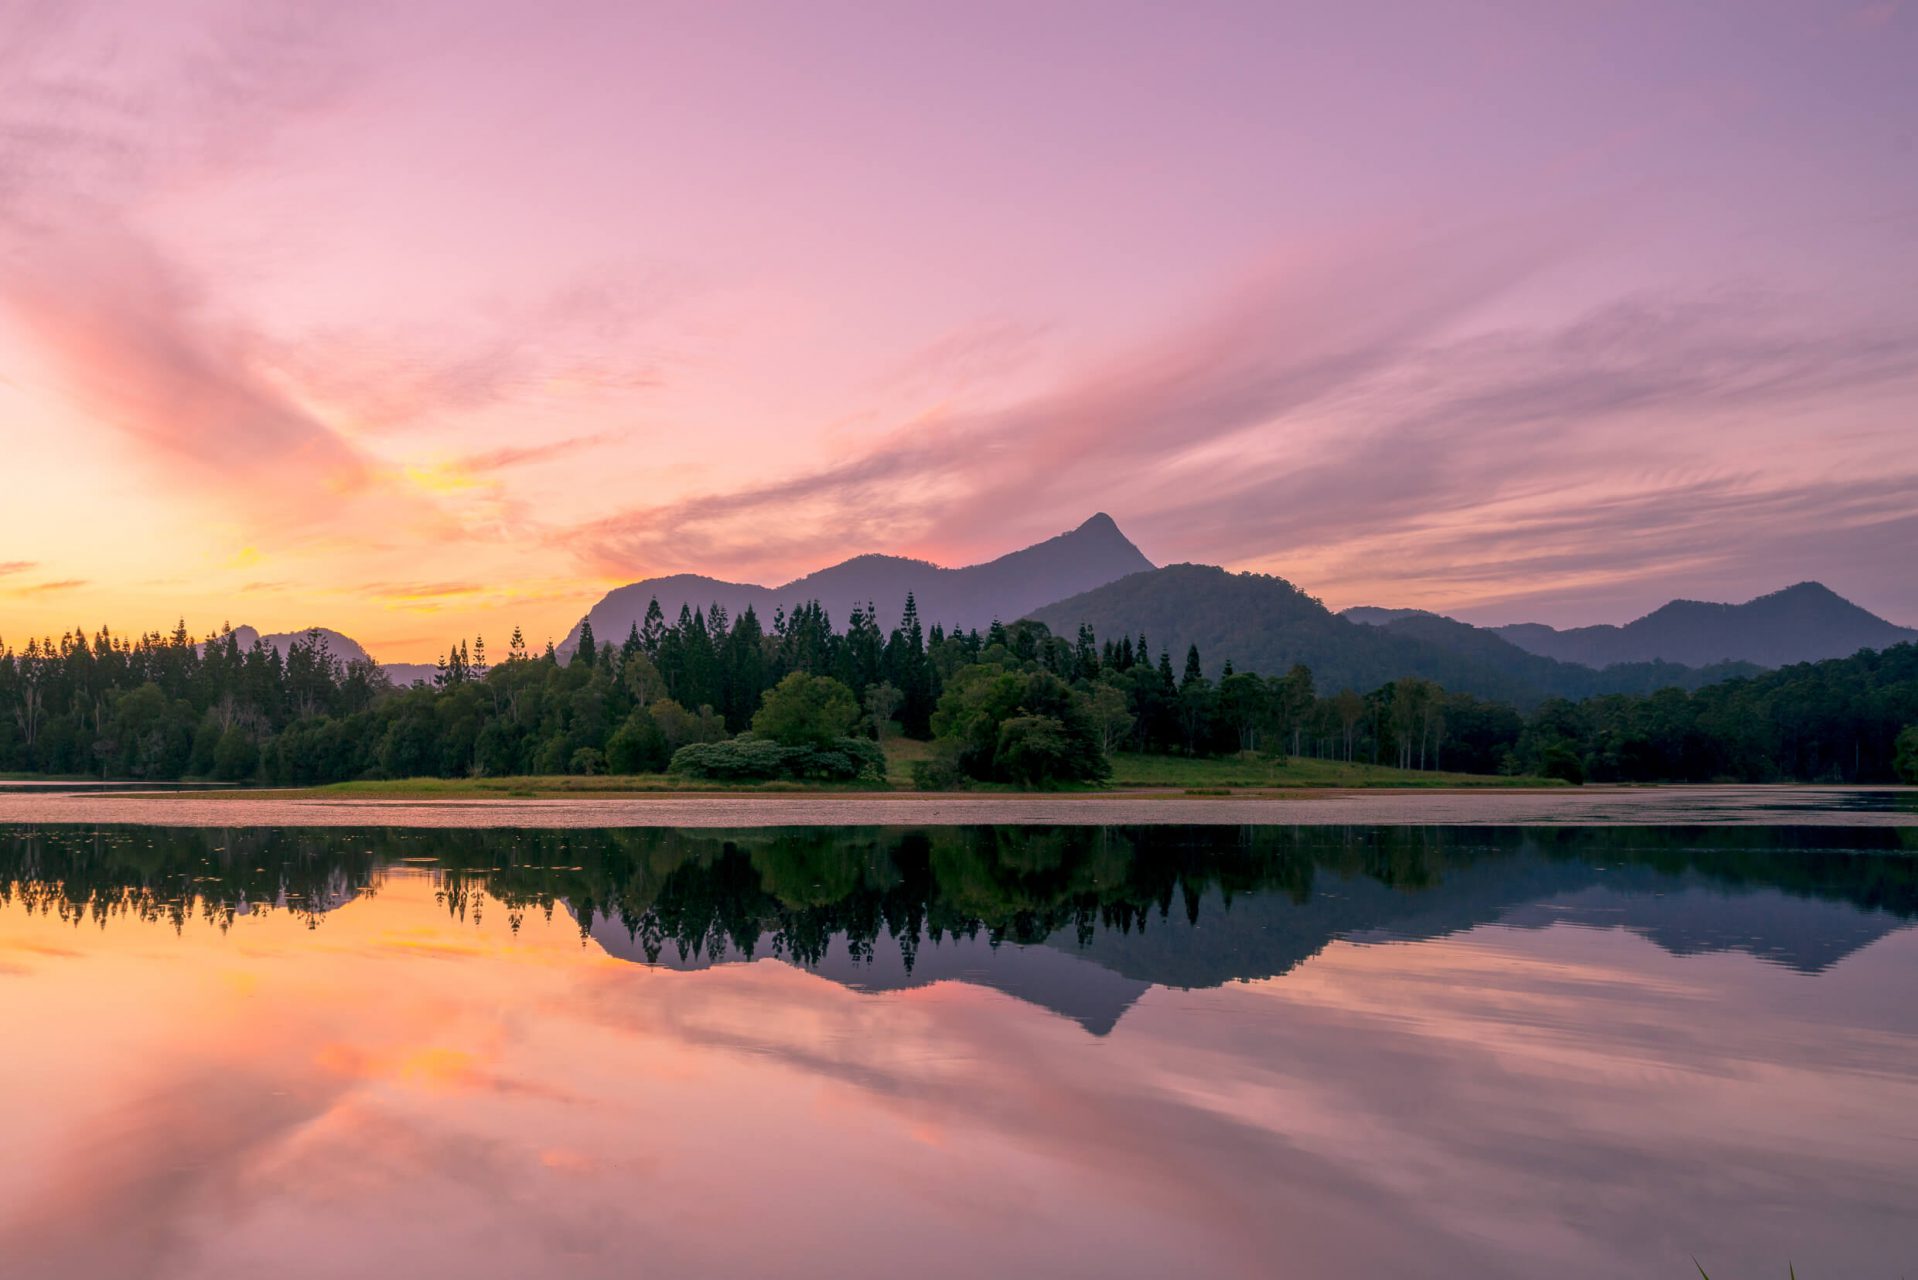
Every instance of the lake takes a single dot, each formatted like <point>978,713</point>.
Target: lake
<point>1257,1050</point>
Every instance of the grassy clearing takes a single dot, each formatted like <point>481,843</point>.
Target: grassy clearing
<point>557,786</point>
<point>900,753</point>
<point>1260,773</point>
<point>1215,777</point>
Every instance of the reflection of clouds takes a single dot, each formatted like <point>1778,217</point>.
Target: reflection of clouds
<point>1007,1083</point>
<point>1576,1098</point>
<point>126,1196</point>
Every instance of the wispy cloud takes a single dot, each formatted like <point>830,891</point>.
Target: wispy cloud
<point>1353,425</point>
<point>1301,334</point>
<point>577,341</point>
<point>135,350</point>
<point>421,590</point>
<point>472,469</point>
<point>133,340</point>
<point>10,567</point>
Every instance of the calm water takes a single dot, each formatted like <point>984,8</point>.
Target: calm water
<point>958,1051</point>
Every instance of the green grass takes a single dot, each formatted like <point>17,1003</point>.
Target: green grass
<point>534,787</point>
<point>1174,774</point>
<point>1260,773</point>
<point>900,753</point>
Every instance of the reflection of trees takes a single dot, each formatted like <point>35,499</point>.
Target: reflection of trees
<point>156,874</point>
<point>795,891</point>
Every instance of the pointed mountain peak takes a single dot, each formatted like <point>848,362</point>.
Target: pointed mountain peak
<point>1102,531</point>
<point>1008,587</point>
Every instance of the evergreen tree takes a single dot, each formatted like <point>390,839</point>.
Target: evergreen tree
<point>653,630</point>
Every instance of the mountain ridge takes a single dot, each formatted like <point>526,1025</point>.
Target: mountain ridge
<point>1264,623</point>
<point>341,646</point>
<point>1004,588</point>
<point>1804,622</point>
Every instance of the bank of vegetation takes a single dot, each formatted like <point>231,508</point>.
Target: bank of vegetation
<point>713,700</point>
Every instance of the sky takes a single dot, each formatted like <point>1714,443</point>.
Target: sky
<point>426,320</point>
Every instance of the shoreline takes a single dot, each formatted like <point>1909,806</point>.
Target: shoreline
<point>1725,805</point>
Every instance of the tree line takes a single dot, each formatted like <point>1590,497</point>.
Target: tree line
<point>709,695</point>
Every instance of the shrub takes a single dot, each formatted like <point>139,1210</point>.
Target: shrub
<point>1561,762</point>
<point>1906,761</point>
<point>938,772</point>
<point>750,757</point>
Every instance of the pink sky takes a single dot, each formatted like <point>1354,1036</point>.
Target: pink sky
<point>429,319</point>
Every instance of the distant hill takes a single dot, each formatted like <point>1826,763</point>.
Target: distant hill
<point>1803,623</point>
<point>1266,624</point>
<point>1373,616</point>
<point>1089,556</point>
<point>345,648</point>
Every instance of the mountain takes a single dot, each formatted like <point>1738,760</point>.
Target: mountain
<point>1373,616</point>
<point>1091,555</point>
<point>1091,995</point>
<point>1265,624</point>
<point>1804,623</point>
<point>345,648</point>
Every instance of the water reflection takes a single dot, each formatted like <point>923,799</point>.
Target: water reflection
<point>1254,1052</point>
<point>1185,907</point>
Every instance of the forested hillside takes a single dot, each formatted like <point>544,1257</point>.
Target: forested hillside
<point>1267,624</point>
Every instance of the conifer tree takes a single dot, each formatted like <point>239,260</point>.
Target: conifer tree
<point>652,629</point>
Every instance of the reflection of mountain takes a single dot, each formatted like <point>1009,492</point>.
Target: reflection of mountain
<point>1090,994</point>
<point>1690,920</point>
<point>1267,935</point>
<point>1205,937</point>
<point>1080,920</point>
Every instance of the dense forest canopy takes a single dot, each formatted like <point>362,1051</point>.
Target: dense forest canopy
<point>716,696</point>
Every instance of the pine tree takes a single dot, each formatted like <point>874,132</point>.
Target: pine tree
<point>588,652</point>
<point>652,630</point>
